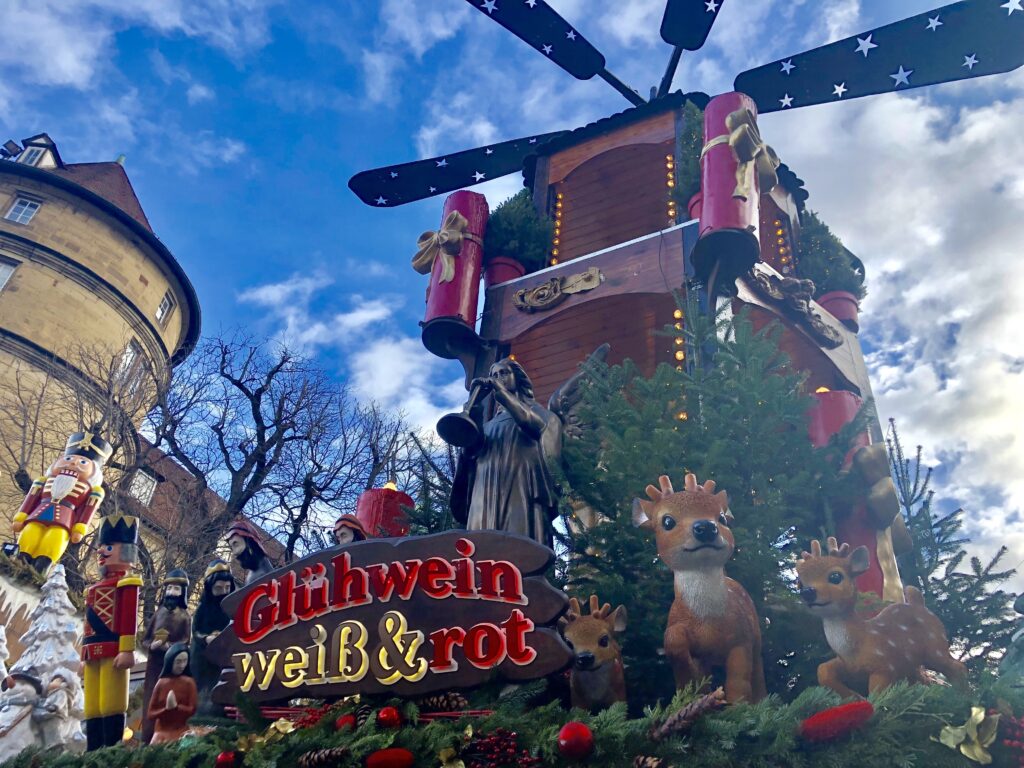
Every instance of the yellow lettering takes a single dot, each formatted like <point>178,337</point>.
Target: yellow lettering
<point>353,661</point>
<point>396,658</point>
<point>293,666</point>
<point>262,672</point>
<point>319,653</point>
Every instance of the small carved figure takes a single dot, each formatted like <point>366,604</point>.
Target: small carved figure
<point>108,643</point>
<point>597,679</point>
<point>712,623</point>
<point>871,653</point>
<point>17,702</point>
<point>170,624</point>
<point>209,621</point>
<point>174,698</point>
<point>246,545</point>
<point>347,529</point>
<point>57,713</point>
<point>59,505</point>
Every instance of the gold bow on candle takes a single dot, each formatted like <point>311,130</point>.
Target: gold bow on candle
<point>753,154</point>
<point>445,244</point>
<point>973,737</point>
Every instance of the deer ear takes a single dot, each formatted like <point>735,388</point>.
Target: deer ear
<point>618,619</point>
<point>860,561</point>
<point>641,514</point>
<point>723,497</point>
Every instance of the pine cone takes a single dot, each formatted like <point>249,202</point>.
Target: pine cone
<point>444,702</point>
<point>642,761</point>
<point>323,758</point>
<point>363,713</point>
<point>688,715</point>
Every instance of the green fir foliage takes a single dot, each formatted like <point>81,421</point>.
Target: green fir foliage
<point>515,230</point>
<point>822,258</point>
<point>691,142</point>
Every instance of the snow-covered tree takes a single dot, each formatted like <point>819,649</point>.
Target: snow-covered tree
<point>53,631</point>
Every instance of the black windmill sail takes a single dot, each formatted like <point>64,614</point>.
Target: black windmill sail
<point>537,24</point>
<point>964,40</point>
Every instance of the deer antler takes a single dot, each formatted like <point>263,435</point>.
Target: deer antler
<point>597,610</point>
<point>657,494</point>
<point>694,487</point>
<point>574,611</point>
<point>835,550</point>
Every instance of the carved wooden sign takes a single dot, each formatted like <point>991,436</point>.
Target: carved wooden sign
<point>402,616</point>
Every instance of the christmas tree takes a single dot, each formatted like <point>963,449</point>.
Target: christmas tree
<point>50,642</point>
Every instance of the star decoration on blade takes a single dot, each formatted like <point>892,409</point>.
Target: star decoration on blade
<point>712,6</point>
<point>382,200</point>
<point>962,40</point>
<point>394,174</point>
<point>479,176</point>
<point>547,49</point>
<point>786,101</point>
<point>489,5</point>
<point>532,3</point>
<point>571,34</point>
<point>442,163</point>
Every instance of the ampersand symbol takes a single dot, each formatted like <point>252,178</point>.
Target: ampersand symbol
<point>396,658</point>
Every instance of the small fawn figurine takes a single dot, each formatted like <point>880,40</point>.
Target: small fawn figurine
<point>873,653</point>
<point>712,623</point>
<point>597,680</point>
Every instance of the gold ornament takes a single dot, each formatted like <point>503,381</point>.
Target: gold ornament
<point>973,737</point>
<point>753,155</point>
<point>445,244</point>
<point>450,758</point>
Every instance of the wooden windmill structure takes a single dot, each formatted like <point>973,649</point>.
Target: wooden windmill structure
<point>623,244</point>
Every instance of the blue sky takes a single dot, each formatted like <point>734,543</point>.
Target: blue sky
<point>243,119</point>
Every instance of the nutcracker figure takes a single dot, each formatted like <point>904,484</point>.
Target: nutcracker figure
<point>59,506</point>
<point>108,643</point>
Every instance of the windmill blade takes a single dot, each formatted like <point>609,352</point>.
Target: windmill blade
<point>687,23</point>
<point>405,183</point>
<point>968,39</point>
<point>538,25</point>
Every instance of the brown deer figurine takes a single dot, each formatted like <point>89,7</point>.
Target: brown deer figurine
<point>712,623</point>
<point>597,680</point>
<point>871,653</point>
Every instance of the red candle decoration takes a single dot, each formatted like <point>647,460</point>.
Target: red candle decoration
<point>226,760</point>
<point>389,717</point>
<point>731,167</point>
<point>836,722</point>
<point>395,757</point>
<point>380,511</point>
<point>345,722</point>
<point>575,741</point>
<point>449,326</point>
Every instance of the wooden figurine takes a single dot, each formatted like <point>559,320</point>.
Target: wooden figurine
<point>712,623</point>
<point>871,653</point>
<point>170,624</point>
<point>597,679</point>
<point>108,643</point>
<point>174,698</point>
<point>246,546</point>
<point>209,621</point>
<point>59,506</point>
<point>347,529</point>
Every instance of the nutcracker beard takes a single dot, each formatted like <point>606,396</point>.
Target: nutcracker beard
<point>64,483</point>
<point>41,542</point>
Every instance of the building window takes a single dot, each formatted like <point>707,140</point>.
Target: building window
<point>7,268</point>
<point>142,487</point>
<point>31,156</point>
<point>22,211</point>
<point>165,308</point>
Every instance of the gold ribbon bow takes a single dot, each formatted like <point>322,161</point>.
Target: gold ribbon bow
<point>973,737</point>
<point>753,154</point>
<point>445,244</point>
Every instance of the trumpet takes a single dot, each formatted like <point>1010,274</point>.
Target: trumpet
<point>461,429</point>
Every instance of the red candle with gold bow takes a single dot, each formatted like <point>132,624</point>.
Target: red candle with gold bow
<point>453,257</point>
<point>736,167</point>
<point>381,512</point>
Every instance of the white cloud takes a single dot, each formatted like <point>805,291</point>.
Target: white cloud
<point>418,27</point>
<point>197,92</point>
<point>379,69</point>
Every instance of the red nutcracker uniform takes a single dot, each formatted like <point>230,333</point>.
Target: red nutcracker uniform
<point>108,643</point>
<point>59,506</point>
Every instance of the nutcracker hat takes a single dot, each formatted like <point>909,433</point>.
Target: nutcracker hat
<point>177,576</point>
<point>217,566</point>
<point>351,521</point>
<point>119,529</point>
<point>90,445</point>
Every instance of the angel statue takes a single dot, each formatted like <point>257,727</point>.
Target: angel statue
<point>505,478</point>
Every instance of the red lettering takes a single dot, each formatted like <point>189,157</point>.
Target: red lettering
<point>286,601</point>
<point>265,617</point>
<point>501,577</point>
<point>311,595</point>
<point>484,646</point>
<point>465,547</point>
<point>444,641</point>
<point>400,576</point>
<point>350,584</point>
<point>465,579</point>
<point>435,576</point>
<point>517,627</point>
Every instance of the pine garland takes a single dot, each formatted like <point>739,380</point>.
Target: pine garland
<point>684,719</point>
<point>323,758</point>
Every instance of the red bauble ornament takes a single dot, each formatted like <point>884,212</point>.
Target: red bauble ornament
<point>226,760</point>
<point>345,721</point>
<point>391,758</point>
<point>836,722</point>
<point>575,741</point>
<point>389,717</point>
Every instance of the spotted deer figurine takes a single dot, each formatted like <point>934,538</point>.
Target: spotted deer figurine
<point>871,653</point>
<point>597,679</point>
<point>712,624</point>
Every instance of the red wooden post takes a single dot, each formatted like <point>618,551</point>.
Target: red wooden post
<point>380,511</point>
<point>729,208</point>
<point>449,326</point>
<point>832,412</point>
